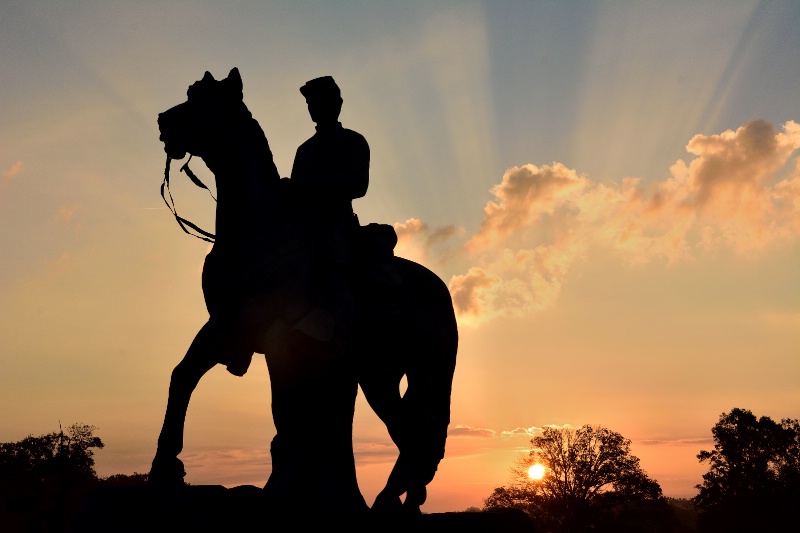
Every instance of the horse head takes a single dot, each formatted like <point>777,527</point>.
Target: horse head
<point>200,122</point>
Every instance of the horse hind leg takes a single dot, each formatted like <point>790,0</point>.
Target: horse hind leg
<point>420,432</point>
<point>381,387</point>
<point>415,497</point>
<point>406,477</point>
<point>402,481</point>
<point>167,469</point>
<point>388,501</point>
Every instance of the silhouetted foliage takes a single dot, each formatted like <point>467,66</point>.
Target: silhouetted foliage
<point>684,511</point>
<point>591,481</point>
<point>753,482</point>
<point>118,480</point>
<point>43,479</point>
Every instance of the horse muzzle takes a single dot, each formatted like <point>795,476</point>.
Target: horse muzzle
<point>170,125</point>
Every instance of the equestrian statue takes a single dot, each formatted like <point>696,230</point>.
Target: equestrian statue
<point>293,276</point>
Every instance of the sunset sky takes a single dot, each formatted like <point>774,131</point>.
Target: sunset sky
<point>610,189</point>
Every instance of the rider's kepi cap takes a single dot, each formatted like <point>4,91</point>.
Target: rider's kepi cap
<point>323,87</point>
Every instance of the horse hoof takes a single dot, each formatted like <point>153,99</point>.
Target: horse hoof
<point>411,510</point>
<point>166,473</point>
<point>415,497</point>
<point>387,505</point>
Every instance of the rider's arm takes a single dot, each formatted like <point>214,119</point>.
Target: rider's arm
<point>339,173</point>
<point>358,165</point>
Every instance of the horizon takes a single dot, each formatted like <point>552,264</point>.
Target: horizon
<point>611,193</point>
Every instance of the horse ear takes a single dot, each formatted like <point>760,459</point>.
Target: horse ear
<point>235,80</point>
<point>235,77</point>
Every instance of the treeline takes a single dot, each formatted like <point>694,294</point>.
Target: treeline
<point>753,481</point>
<point>586,479</point>
<point>45,479</point>
<point>583,479</point>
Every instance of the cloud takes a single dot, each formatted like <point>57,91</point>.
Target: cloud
<point>730,195</point>
<point>471,292</point>
<point>374,452</point>
<point>739,162</point>
<point>526,433</point>
<point>236,466</point>
<point>65,216</point>
<point>461,430</point>
<point>229,458</point>
<point>740,191</point>
<point>700,441</point>
<point>529,433</point>
<point>416,240</point>
<point>9,174</point>
<point>525,195</point>
<point>469,431</point>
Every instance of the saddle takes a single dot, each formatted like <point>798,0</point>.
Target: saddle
<point>378,283</point>
<point>374,242</point>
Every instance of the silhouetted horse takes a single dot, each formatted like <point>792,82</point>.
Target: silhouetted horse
<point>261,290</point>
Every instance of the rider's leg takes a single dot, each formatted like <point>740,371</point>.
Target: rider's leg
<point>334,273</point>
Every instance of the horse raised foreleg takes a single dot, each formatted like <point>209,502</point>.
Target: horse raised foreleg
<point>167,469</point>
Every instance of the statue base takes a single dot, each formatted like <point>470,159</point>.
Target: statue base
<point>216,508</point>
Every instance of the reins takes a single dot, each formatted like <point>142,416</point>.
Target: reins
<point>182,222</point>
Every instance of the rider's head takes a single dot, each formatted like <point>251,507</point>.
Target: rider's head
<point>323,98</point>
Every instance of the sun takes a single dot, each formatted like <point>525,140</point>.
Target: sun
<point>536,472</point>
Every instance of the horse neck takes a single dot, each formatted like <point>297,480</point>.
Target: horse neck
<point>247,182</point>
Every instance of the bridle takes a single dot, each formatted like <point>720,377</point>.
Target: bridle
<point>182,222</point>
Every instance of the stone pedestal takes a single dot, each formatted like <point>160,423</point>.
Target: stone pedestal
<point>244,508</point>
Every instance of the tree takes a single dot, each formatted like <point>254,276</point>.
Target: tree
<point>66,456</point>
<point>121,480</point>
<point>42,478</point>
<point>591,479</point>
<point>753,482</point>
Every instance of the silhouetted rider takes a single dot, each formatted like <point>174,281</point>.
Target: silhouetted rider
<point>332,167</point>
<point>330,170</point>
